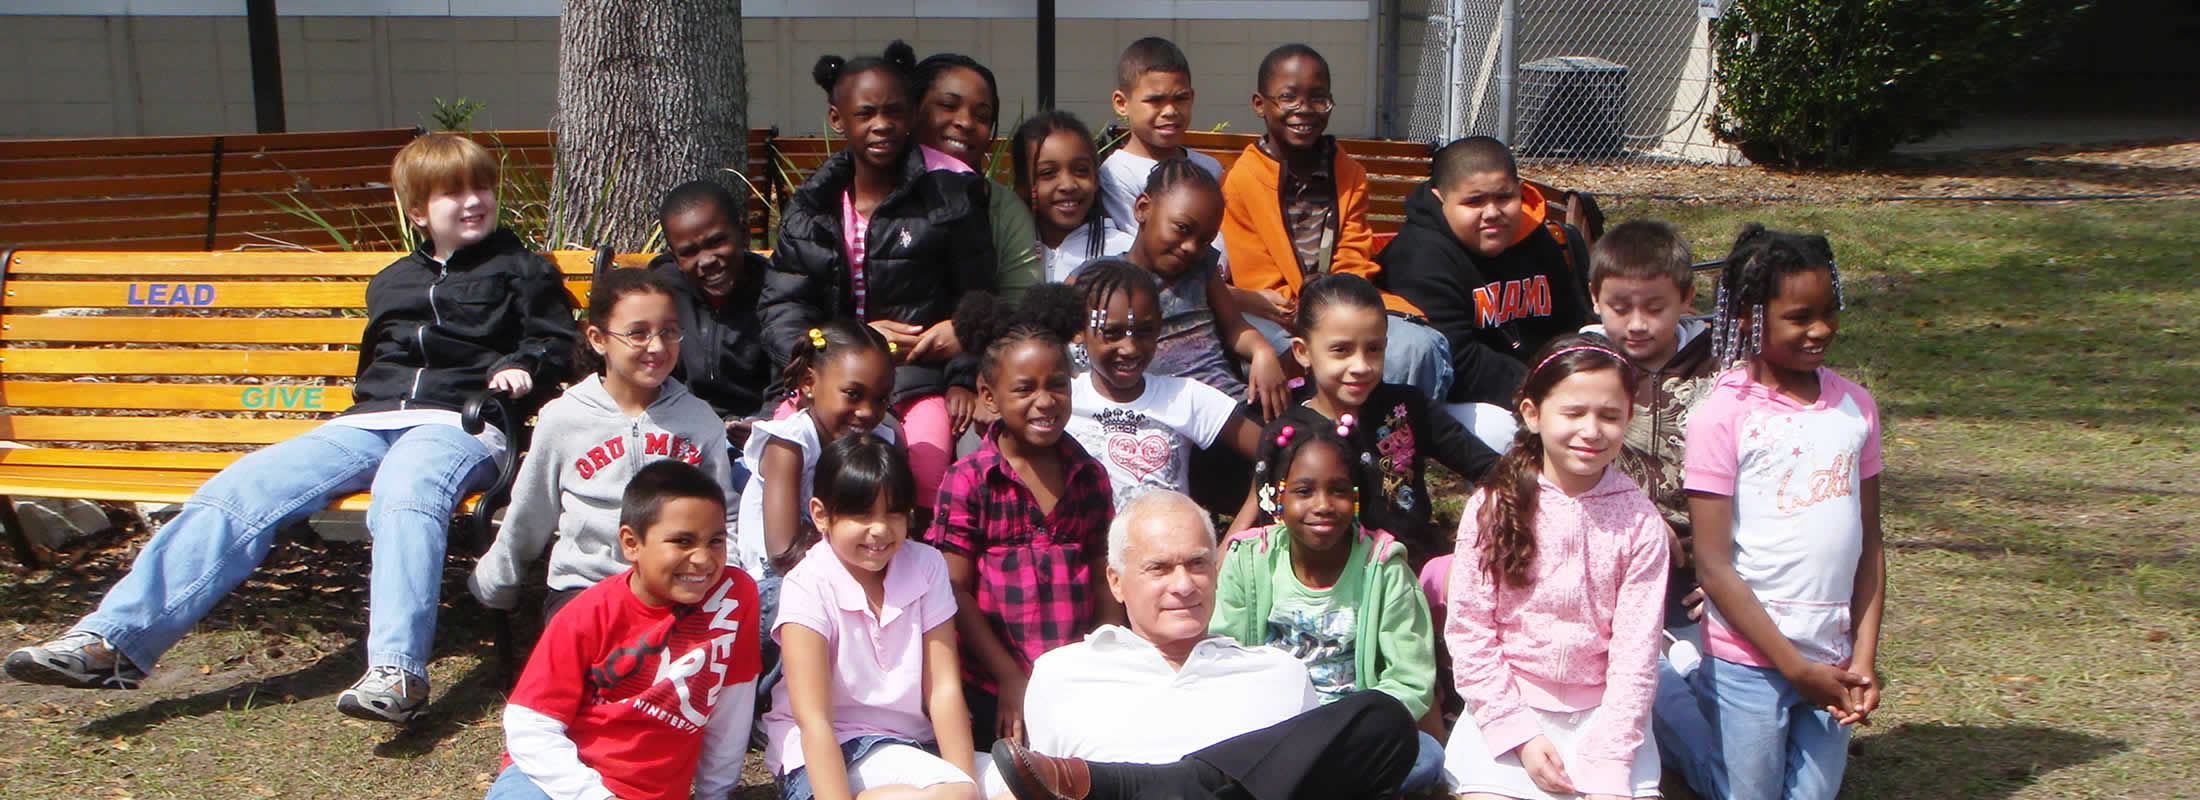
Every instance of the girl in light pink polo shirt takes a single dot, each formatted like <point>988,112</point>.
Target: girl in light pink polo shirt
<point>866,631</point>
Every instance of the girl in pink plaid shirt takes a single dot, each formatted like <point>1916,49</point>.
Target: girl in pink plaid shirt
<point>1023,521</point>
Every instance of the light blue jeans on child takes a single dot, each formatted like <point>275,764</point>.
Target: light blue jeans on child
<point>1416,355</point>
<point>1743,732</point>
<point>227,527</point>
<point>513,784</point>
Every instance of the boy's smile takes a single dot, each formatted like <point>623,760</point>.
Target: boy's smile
<point>1295,103</point>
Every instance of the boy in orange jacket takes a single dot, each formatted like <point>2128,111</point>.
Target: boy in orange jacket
<point>1295,207</point>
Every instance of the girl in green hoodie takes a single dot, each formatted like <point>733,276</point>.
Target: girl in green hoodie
<point>1316,585</point>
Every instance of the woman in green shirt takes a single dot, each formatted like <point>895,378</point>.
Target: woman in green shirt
<point>958,105</point>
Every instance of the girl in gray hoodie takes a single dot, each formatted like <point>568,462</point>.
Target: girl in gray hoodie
<point>594,437</point>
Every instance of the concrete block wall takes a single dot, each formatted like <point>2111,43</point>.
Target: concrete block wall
<point>146,75</point>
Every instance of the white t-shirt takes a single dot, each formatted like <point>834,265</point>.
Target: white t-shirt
<point>1795,472</point>
<point>1123,179</point>
<point>749,552</point>
<point>1113,698</point>
<point>1146,443</point>
<point>1076,249</point>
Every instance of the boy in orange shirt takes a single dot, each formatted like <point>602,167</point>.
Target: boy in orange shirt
<point>1295,208</point>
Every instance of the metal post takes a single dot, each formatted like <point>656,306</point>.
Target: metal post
<point>267,65</point>
<point>1046,55</point>
<point>1508,25</point>
<point>1455,57</point>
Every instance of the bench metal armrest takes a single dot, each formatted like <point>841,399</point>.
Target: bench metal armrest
<point>485,408</point>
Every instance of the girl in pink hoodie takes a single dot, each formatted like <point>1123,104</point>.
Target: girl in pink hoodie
<point>1556,596</point>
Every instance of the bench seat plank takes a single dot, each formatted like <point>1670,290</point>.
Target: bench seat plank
<point>133,485</point>
<point>193,430</point>
<point>302,363</point>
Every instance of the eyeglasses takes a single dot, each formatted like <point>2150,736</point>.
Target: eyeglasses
<point>1288,103</point>
<point>641,337</point>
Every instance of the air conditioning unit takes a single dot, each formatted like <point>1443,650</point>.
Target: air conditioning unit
<point>1570,107</point>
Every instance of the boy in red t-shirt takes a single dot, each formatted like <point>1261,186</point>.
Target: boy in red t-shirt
<point>642,686</point>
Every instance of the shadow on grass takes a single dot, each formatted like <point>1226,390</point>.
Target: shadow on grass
<point>324,677</point>
<point>1966,761</point>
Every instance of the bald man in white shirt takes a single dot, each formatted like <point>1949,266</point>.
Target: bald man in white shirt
<point>1162,709</point>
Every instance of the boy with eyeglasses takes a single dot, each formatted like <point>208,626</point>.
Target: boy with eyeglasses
<point>1295,208</point>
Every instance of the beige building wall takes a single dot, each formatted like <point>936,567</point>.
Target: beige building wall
<point>65,76</point>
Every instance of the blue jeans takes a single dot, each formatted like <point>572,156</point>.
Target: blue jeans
<point>1417,355</point>
<point>513,784</point>
<point>1744,732</point>
<point>1428,765</point>
<point>227,527</point>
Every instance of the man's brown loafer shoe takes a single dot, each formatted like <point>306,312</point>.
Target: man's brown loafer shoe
<point>1034,776</point>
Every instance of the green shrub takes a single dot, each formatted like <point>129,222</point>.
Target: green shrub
<point>1816,82</point>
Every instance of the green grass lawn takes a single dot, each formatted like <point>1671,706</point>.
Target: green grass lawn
<point>2040,385</point>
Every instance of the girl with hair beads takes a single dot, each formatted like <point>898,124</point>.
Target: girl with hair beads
<point>593,438</point>
<point>872,702</point>
<point>958,105</point>
<point>1557,592</point>
<point>1339,597</point>
<point>1058,171</point>
<point>1783,490</point>
<point>1024,520</point>
<point>1338,337</point>
<point>841,375</point>
<point>1141,426</point>
<point>879,236</point>
<point>1177,218</point>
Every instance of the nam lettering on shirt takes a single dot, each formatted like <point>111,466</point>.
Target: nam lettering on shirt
<point>1500,302</point>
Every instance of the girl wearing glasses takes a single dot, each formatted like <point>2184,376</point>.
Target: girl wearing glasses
<point>627,413</point>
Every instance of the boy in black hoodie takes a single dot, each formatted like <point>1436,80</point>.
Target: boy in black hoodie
<point>1476,257</point>
<point>471,310</point>
<point>722,354</point>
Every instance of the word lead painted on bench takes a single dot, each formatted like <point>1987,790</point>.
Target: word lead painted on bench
<point>170,294</point>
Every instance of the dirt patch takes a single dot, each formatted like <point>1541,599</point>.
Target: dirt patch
<point>2144,169</point>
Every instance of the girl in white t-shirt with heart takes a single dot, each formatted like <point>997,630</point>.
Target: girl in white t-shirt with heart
<point>1142,427</point>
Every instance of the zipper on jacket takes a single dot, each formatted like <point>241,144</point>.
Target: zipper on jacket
<point>420,336</point>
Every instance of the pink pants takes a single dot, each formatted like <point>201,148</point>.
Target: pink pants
<point>924,431</point>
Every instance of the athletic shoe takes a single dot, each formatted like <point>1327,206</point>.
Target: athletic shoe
<point>78,660</point>
<point>387,694</point>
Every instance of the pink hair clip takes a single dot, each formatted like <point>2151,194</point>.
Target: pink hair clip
<point>1344,425</point>
<point>1283,437</point>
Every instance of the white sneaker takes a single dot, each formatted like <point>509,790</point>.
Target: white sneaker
<point>387,694</point>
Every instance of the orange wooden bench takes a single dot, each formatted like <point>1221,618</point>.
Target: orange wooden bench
<point>134,376</point>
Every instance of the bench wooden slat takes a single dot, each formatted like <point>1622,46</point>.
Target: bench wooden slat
<point>250,263</point>
<point>198,430</point>
<point>324,201</point>
<point>209,461</point>
<point>381,222</point>
<point>261,180</point>
<point>200,164</point>
<point>182,330</point>
<point>23,148</point>
<point>222,294</point>
<point>75,361</point>
<point>132,485</point>
<point>176,396</point>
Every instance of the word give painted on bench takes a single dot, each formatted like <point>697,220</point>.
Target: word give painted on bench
<point>170,294</point>
<point>282,397</point>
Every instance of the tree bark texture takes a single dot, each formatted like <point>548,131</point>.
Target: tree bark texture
<point>651,94</point>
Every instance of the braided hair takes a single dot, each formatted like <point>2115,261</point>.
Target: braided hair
<point>1023,155</point>
<point>1751,278</point>
<point>845,335</point>
<point>1169,174</point>
<point>1279,449</point>
<point>1103,279</point>
<point>1050,314</point>
<point>1507,516</point>
<point>899,60</point>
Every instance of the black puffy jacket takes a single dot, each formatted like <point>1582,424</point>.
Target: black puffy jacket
<point>722,357</point>
<point>436,332</point>
<point>928,243</point>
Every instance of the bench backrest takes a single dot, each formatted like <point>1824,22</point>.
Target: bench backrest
<point>182,360</point>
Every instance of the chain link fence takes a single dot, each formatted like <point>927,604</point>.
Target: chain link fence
<point>1617,81</point>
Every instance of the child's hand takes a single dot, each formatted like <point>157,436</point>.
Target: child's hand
<point>1679,546</point>
<point>1544,767</point>
<point>936,342</point>
<point>902,335</point>
<point>1008,721</point>
<point>513,382</point>
<point>1267,304</point>
<point>1863,700</point>
<point>1827,687</point>
<point>1693,601</point>
<point>962,404</point>
<point>1265,385</point>
<point>737,431</point>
